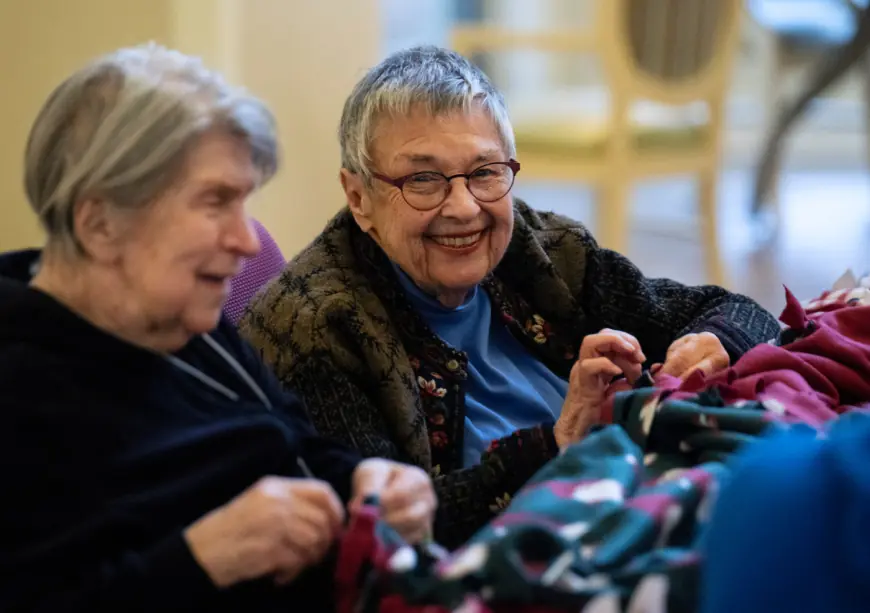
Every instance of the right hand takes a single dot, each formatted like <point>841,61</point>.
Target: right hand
<point>276,527</point>
<point>603,356</point>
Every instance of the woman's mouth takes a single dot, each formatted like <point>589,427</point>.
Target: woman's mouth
<point>215,280</point>
<point>464,242</point>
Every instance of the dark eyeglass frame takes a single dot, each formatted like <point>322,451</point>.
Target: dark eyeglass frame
<point>399,182</point>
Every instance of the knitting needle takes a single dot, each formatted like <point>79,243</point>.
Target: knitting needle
<point>303,466</point>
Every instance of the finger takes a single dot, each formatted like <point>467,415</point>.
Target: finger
<point>632,341</point>
<point>371,477</point>
<point>288,565</point>
<point>415,517</point>
<point>680,359</point>
<point>629,368</point>
<point>315,516</point>
<point>408,502</point>
<point>601,344</point>
<point>712,364</point>
<point>685,358</point>
<point>320,495</point>
<point>310,532</point>
<point>354,506</point>
<point>413,521</point>
<point>675,368</point>
<point>677,344</point>
<point>706,366</point>
<point>589,371</point>
<point>619,346</point>
<point>294,551</point>
<point>415,537</point>
<point>576,376</point>
<point>409,485</point>
<point>721,360</point>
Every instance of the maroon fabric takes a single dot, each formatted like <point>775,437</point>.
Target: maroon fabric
<point>824,372</point>
<point>255,273</point>
<point>362,552</point>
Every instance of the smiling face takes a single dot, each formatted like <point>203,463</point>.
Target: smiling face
<point>159,275</point>
<point>181,252</point>
<point>450,249</point>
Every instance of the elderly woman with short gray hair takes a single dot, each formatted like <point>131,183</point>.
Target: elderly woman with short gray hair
<point>151,462</point>
<point>440,321</point>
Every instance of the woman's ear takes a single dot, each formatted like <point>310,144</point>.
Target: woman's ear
<point>97,230</point>
<point>358,200</point>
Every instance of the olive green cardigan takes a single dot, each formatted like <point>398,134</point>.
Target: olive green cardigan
<point>337,329</point>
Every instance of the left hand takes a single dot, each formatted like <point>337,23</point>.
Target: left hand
<point>702,351</point>
<point>406,495</point>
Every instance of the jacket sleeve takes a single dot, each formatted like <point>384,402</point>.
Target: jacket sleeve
<point>162,578</point>
<point>615,294</point>
<point>467,498</point>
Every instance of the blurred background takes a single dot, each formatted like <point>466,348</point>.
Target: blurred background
<point>709,140</point>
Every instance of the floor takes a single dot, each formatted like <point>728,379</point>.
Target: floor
<point>825,227</point>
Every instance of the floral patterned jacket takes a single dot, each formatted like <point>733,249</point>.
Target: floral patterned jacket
<point>338,330</point>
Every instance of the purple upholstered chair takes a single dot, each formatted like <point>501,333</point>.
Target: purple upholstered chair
<point>256,272</point>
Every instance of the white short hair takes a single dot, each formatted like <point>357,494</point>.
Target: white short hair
<point>439,80</point>
<point>120,127</point>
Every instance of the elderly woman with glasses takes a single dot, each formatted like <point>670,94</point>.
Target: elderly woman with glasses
<point>440,321</point>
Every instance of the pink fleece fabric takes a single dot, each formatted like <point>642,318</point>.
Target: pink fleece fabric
<point>813,379</point>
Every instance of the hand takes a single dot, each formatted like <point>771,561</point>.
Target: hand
<point>276,527</point>
<point>603,356</point>
<point>702,351</point>
<point>406,496</point>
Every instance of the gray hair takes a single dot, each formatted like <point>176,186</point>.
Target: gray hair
<point>121,127</point>
<point>439,80</point>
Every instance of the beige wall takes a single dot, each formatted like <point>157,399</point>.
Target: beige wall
<point>301,57</point>
<point>304,57</point>
<point>40,42</point>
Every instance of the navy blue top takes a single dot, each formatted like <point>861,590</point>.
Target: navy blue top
<point>108,451</point>
<point>508,389</point>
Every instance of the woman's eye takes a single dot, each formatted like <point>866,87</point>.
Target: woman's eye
<point>424,178</point>
<point>216,200</point>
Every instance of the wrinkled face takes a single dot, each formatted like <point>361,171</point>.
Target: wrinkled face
<point>450,249</point>
<point>179,254</point>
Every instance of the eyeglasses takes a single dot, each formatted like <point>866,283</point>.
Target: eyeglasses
<point>426,191</point>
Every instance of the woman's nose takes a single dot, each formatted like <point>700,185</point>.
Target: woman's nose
<point>460,203</point>
<point>243,238</point>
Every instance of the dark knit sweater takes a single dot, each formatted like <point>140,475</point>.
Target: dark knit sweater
<point>337,328</point>
<point>108,452</point>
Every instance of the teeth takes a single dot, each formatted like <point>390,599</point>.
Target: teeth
<point>464,241</point>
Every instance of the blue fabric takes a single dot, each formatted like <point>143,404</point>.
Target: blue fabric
<point>789,532</point>
<point>508,389</point>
